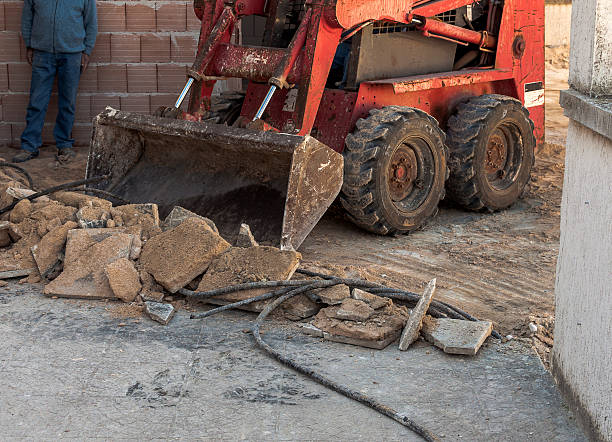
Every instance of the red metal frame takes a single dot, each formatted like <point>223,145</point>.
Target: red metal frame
<point>330,115</point>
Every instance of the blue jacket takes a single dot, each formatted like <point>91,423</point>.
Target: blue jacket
<point>60,25</point>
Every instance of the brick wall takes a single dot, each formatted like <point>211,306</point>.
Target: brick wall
<point>138,64</point>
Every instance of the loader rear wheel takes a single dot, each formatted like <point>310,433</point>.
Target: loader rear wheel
<point>225,109</point>
<point>491,152</point>
<point>394,170</point>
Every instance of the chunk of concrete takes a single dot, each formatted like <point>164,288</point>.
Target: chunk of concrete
<point>21,211</point>
<point>20,193</point>
<point>5,237</point>
<point>123,279</point>
<point>49,250</point>
<point>415,322</point>
<point>92,217</point>
<point>179,214</point>
<point>79,200</point>
<point>144,215</point>
<point>354,310</point>
<point>382,328</point>
<point>456,336</point>
<point>159,311</point>
<point>53,210</point>
<point>8,274</point>
<point>298,308</point>
<point>238,265</point>
<point>245,238</point>
<point>86,260</point>
<point>334,295</point>
<point>373,301</point>
<point>177,256</point>
<point>79,240</point>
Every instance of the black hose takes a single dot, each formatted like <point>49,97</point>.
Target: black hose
<point>342,389</point>
<point>64,186</point>
<point>20,170</point>
<point>240,287</point>
<point>103,193</point>
<point>311,286</point>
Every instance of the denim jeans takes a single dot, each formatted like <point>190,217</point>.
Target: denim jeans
<point>45,67</point>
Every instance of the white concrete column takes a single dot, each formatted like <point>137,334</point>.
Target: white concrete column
<point>591,47</point>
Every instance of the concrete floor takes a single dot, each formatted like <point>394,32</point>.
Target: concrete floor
<point>68,370</point>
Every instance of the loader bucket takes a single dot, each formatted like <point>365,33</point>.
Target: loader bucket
<point>279,184</point>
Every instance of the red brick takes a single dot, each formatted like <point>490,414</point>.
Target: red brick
<point>14,106</point>
<point>172,17</point>
<point>102,50</point>
<point>136,103</point>
<point>3,77</point>
<point>12,16</point>
<point>23,51</point>
<point>83,108</point>
<point>89,79</point>
<point>2,23</point>
<point>81,134</point>
<point>112,78</point>
<point>47,134</point>
<point>125,48</point>
<point>165,100</point>
<point>154,48</point>
<point>142,78</point>
<point>171,77</point>
<point>52,110</point>
<point>9,47</point>
<point>140,18</point>
<point>183,48</point>
<point>111,17</point>
<point>19,76</point>
<point>99,103</point>
<point>193,22</point>
<point>5,134</point>
<point>16,131</point>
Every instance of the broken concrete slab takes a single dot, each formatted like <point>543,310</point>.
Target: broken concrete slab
<point>415,322</point>
<point>86,260</point>
<point>123,279</point>
<point>178,214</point>
<point>298,308</point>
<point>245,238</point>
<point>456,336</point>
<point>21,211</point>
<point>144,215</point>
<point>81,239</point>
<point>159,311</point>
<point>79,200</point>
<point>177,256</point>
<point>382,328</point>
<point>8,274</point>
<point>373,301</point>
<point>238,265</point>
<point>353,310</point>
<point>53,210</point>
<point>20,193</point>
<point>49,250</point>
<point>334,295</point>
<point>92,217</point>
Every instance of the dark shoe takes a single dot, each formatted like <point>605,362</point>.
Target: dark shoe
<point>24,156</point>
<point>65,155</point>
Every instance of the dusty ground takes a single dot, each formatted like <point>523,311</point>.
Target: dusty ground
<point>498,266</point>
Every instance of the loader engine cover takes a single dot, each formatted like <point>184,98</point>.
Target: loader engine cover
<point>279,184</point>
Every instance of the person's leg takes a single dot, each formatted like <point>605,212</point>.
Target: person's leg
<point>43,75</point>
<point>68,75</point>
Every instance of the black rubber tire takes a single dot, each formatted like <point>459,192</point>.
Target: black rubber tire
<point>366,192</point>
<point>225,108</point>
<point>469,132</point>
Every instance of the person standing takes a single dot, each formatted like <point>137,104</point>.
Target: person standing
<point>59,36</point>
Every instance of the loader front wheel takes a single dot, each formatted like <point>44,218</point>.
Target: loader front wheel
<point>394,170</point>
<point>491,152</point>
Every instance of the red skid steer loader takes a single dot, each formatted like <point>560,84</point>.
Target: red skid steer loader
<point>390,103</point>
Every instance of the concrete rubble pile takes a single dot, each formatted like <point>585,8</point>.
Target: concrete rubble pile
<point>81,246</point>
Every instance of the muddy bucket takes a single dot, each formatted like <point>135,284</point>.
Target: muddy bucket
<point>279,184</point>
